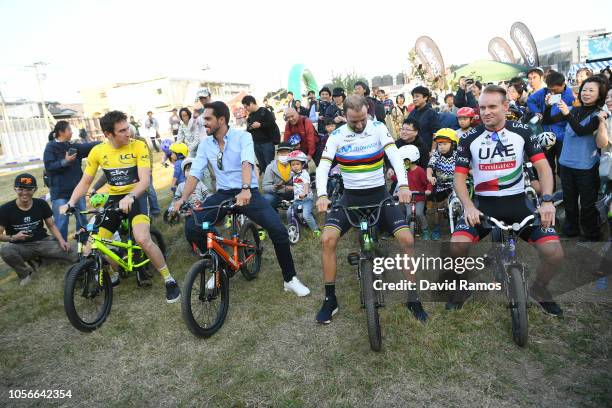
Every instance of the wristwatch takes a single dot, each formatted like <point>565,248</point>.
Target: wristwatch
<point>246,187</point>
<point>547,198</point>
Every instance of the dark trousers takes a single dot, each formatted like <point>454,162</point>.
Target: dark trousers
<point>580,185</point>
<point>552,155</point>
<point>264,152</point>
<point>154,141</point>
<point>260,212</point>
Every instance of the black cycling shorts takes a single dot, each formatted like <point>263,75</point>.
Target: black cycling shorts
<point>509,209</point>
<point>391,218</point>
<point>139,214</point>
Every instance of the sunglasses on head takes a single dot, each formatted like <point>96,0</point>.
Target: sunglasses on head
<point>220,160</point>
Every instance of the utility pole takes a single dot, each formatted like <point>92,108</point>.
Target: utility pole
<point>37,67</point>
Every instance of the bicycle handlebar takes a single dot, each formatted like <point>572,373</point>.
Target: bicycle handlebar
<point>228,204</point>
<point>362,211</point>
<point>517,226</point>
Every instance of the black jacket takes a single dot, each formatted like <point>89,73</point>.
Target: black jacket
<point>265,133</point>
<point>64,176</point>
<point>463,99</point>
<point>429,123</point>
<point>424,151</point>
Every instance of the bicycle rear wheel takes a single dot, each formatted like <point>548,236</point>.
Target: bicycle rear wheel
<point>517,296</point>
<point>366,277</point>
<point>204,310</point>
<point>86,302</point>
<point>250,236</point>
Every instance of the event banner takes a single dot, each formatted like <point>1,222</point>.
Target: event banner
<point>430,56</point>
<point>523,40</point>
<point>500,50</point>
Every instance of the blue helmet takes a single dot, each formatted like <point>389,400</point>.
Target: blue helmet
<point>294,139</point>
<point>165,146</point>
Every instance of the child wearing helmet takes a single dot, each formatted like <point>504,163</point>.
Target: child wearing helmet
<point>178,153</point>
<point>465,116</point>
<point>199,194</point>
<point>417,182</point>
<point>440,173</point>
<point>302,194</point>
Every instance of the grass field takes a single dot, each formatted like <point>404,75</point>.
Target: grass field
<point>270,352</point>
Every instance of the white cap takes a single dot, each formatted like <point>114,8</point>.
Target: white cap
<point>203,93</point>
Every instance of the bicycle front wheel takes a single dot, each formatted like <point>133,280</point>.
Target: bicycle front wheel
<point>250,236</point>
<point>518,306</point>
<point>366,269</point>
<point>87,302</point>
<point>204,304</point>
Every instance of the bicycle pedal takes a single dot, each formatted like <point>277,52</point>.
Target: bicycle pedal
<point>353,259</point>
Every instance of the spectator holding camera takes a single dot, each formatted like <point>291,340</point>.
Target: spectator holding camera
<point>22,228</point>
<point>467,93</point>
<point>63,168</point>
<point>555,86</point>
<point>585,133</point>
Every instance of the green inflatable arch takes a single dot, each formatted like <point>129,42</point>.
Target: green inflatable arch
<point>301,81</point>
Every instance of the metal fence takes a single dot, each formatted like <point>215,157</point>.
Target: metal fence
<point>24,140</point>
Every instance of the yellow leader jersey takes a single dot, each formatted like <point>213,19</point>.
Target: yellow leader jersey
<point>120,166</point>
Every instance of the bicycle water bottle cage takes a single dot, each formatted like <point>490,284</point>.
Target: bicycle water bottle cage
<point>363,226</point>
<point>205,226</point>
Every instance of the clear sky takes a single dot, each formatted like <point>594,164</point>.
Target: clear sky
<point>89,42</point>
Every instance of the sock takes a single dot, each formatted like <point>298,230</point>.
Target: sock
<point>413,296</point>
<point>165,273</point>
<point>330,290</point>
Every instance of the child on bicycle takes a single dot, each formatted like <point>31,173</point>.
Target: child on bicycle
<point>178,153</point>
<point>417,182</point>
<point>440,173</point>
<point>199,194</point>
<point>464,117</point>
<point>302,194</point>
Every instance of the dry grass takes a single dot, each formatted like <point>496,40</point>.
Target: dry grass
<point>270,352</point>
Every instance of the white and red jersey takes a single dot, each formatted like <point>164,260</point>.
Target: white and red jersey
<point>496,158</point>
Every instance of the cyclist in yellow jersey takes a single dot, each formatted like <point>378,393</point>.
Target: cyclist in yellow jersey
<point>127,167</point>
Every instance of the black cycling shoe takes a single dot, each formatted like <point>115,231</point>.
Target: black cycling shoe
<point>543,298</point>
<point>173,293</point>
<point>328,310</point>
<point>457,300</point>
<point>417,311</point>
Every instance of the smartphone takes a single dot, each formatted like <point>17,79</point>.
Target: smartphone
<point>72,151</point>
<point>555,99</point>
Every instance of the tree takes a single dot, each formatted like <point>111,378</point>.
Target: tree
<point>347,81</point>
<point>278,94</point>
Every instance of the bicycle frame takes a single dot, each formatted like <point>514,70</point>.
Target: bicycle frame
<point>216,243</point>
<point>99,244</point>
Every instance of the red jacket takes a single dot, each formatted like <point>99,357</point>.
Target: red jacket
<point>417,182</point>
<point>307,133</point>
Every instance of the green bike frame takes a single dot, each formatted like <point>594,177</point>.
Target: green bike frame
<point>100,244</point>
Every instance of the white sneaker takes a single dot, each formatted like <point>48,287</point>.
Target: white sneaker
<point>210,285</point>
<point>296,287</point>
<point>26,280</point>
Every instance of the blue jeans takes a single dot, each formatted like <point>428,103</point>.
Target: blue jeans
<point>264,152</point>
<point>61,220</point>
<point>152,198</point>
<point>275,198</point>
<point>260,212</point>
<point>306,212</point>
